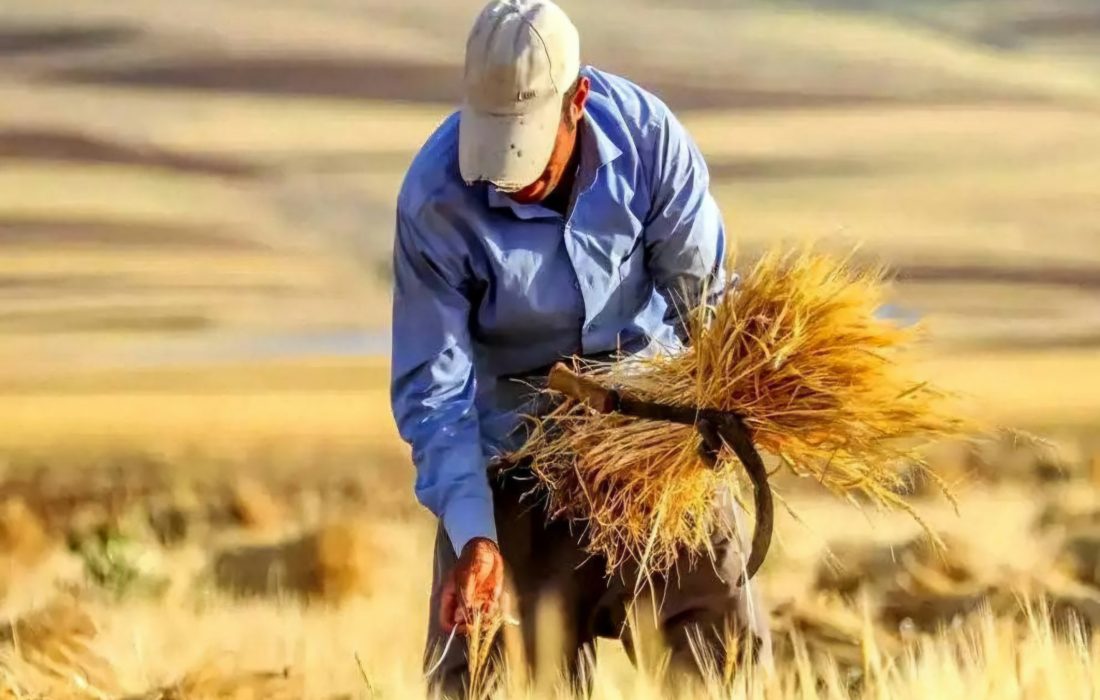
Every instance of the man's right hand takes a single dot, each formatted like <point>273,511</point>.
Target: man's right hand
<point>475,584</point>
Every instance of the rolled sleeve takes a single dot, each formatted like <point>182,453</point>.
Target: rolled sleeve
<point>684,234</point>
<point>433,384</point>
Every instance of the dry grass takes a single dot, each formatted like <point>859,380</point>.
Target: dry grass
<point>346,556</point>
<point>24,541</point>
<point>252,505</point>
<point>214,681</point>
<point>54,654</point>
<point>800,355</point>
<point>828,653</point>
<point>55,646</point>
<point>23,537</point>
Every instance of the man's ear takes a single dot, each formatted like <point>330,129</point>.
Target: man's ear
<point>580,98</point>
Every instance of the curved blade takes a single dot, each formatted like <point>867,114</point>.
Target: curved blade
<point>732,431</point>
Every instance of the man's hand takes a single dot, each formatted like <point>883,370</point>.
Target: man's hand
<point>475,584</point>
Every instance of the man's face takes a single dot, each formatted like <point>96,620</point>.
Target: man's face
<point>564,144</point>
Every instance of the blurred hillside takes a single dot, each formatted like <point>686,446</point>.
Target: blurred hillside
<point>210,181</point>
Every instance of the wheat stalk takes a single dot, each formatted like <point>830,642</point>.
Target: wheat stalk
<point>481,653</point>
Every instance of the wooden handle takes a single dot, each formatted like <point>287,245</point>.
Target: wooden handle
<point>584,390</point>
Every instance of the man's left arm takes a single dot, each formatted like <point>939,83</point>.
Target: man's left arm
<point>685,238</point>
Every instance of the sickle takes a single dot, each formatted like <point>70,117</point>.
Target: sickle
<point>715,427</point>
<point>730,430</point>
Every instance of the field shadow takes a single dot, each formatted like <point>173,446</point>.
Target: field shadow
<point>121,319</point>
<point>70,231</point>
<point>787,168</point>
<point>77,147</point>
<point>1079,276</point>
<point>1064,23</point>
<point>60,37</point>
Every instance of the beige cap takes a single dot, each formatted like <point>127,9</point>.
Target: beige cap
<point>522,56</point>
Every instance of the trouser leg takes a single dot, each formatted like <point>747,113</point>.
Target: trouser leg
<point>554,583</point>
<point>699,611</point>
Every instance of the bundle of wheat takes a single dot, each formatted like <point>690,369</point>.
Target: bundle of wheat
<point>799,352</point>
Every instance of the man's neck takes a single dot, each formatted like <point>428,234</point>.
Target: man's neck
<point>562,196</point>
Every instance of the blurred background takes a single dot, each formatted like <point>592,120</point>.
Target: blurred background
<point>214,183</point>
<point>196,214</point>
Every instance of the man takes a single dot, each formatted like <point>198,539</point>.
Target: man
<point>563,211</point>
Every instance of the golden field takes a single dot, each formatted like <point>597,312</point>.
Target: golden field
<point>210,479</point>
<point>195,439</point>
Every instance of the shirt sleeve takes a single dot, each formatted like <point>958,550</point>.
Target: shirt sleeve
<point>685,238</point>
<point>433,383</point>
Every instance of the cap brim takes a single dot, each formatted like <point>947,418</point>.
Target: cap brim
<point>509,151</point>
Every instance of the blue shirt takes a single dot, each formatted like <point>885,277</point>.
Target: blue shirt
<point>486,289</point>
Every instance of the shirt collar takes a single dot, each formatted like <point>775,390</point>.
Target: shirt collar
<point>606,150</point>
<point>598,151</point>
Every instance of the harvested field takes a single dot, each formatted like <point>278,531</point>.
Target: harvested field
<point>226,583</point>
<point>272,526</point>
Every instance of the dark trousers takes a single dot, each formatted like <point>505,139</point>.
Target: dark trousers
<point>696,605</point>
